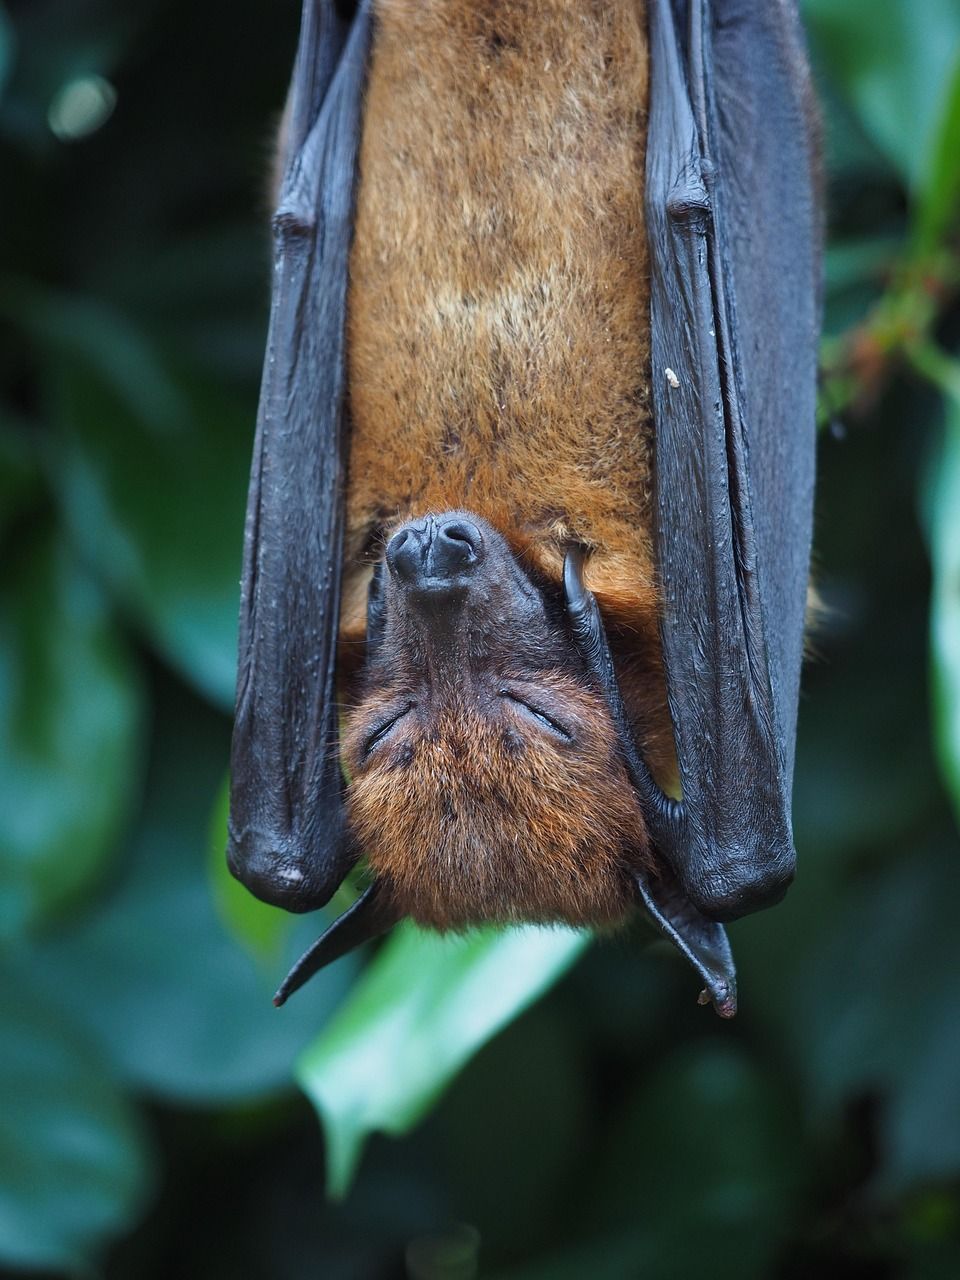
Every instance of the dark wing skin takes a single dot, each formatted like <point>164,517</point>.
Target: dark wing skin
<point>733,222</point>
<point>732,213</point>
<point>287,839</point>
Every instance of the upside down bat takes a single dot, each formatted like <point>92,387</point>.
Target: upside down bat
<point>532,483</point>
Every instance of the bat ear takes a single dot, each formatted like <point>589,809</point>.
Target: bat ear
<point>370,916</point>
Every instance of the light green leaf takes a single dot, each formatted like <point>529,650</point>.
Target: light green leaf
<point>69,727</point>
<point>939,205</point>
<point>894,66</point>
<point>74,1170</point>
<point>942,510</point>
<point>423,1007</point>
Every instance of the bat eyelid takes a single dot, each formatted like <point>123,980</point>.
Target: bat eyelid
<point>382,731</point>
<point>546,720</point>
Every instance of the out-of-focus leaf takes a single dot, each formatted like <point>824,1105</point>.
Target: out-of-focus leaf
<point>160,514</point>
<point>7,47</point>
<point>69,721</point>
<point>851,263</point>
<point>262,929</point>
<point>73,1166</point>
<point>176,1003</point>
<point>719,1168</point>
<point>700,1177</point>
<point>878,1012</point>
<point>895,69</point>
<point>940,196</point>
<point>424,1005</point>
<point>942,509</point>
<point>19,475</point>
<point>207,291</point>
<point>524,1092</point>
<point>97,337</point>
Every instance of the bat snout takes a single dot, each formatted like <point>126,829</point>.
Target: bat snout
<point>436,552</point>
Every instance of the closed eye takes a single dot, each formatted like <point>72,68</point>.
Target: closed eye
<point>532,712</point>
<point>383,730</point>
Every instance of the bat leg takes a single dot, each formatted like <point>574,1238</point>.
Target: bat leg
<point>369,917</point>
<point>701,941</point>
<point>665,816</point>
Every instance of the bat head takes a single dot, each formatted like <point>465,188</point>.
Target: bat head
<point>485,777</point>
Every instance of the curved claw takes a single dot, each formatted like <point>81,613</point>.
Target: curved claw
<point>371,915</point>
<point>701,941</point>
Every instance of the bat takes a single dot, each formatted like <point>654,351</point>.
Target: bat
<point>528,533</point>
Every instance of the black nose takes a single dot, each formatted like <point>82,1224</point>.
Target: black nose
<point>435,550</point>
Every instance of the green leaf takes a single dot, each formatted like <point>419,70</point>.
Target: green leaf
<point>159,512</point>
<point>526,1092</point>
<point>74,1170</point>
<point>69,727</point>
<point>852,263</point>
<point>424,1006</point>
<point>941,502</point>
<point>894,66</point>
<point>177,1005</point>
<point>939,203</point>
<point>699,1177</point>
<point>262,929</point>
<point>19,473</point>
<point>92,334</point>
<point>7,47</point>
<point>878,1013</point>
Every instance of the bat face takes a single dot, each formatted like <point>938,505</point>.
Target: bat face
<point>486,782</point>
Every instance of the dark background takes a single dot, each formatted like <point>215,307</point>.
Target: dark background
<point>151,1123</point>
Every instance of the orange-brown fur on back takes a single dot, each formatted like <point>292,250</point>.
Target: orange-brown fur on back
<point>498,307</point>
<point>498,338</point>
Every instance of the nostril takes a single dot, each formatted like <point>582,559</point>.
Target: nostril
<point>459,544</point>
<point>435,551</point>
<point>404,554</point>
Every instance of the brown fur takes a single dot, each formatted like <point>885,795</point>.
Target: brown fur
<point>499,362</point>
<point>473,815</point>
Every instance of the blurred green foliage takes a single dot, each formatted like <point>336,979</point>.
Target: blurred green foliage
<point>151,1123</point>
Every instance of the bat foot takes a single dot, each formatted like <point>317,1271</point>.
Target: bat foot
<point>370,916</point>
<point>724,1003</point>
